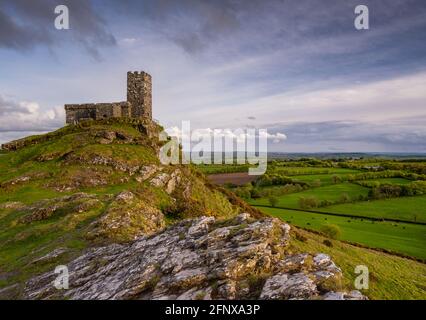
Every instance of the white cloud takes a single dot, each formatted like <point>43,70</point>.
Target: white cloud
<point>374,101</point>
<point>238,134</point>
<point>21,118</point>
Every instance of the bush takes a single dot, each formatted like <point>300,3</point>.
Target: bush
<point>316,183</point>
<point>344,198</point>
<point>255,194</point>
<point>336,179</point>
<point>243,193</point>
<point>308,203</point>
<point>331,231</point>
<point>328,243</point>
<point>300,237</point>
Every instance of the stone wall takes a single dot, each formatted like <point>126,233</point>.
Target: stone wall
<point>96,111</point>
<point>78,112</point>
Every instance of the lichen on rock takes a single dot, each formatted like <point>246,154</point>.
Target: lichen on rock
<point>203,258</point>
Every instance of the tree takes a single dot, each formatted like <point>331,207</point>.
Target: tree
<point>273,201</point>
<point>335,179</point>
<point>309,202</point>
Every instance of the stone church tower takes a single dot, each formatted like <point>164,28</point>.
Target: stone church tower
<point>139,94</point>
<point>138,104</point>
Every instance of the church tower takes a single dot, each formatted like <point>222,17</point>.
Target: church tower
<point>139,94</point>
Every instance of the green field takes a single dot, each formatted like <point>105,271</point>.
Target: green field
<point>331,193</point>
<point>405,208</point>
<point>391,277</point>
<point>409,239</point>
<point>392,181</point>
<point>320,191</point>
<point>324,179</point>
<point>296,171</point>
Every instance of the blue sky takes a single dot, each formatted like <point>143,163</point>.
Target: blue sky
<point>293,67</point>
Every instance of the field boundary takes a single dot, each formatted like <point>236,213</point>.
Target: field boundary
<point>343,215</point>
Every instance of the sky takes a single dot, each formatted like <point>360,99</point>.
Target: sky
<point>299,69</point>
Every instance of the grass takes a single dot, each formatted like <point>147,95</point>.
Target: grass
<point>330,193</point>
<point>221,168</point>
<point>325,179</point>
<point>297,171</point>
<point>405,208</point>
<point>391,277</point>
<point>408,239</point>
<point>22,243</point>
<point>392,181</point>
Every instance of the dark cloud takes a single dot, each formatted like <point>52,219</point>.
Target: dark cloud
<point>25,25</point>
<point>260,25</point>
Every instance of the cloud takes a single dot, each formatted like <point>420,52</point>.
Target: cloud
<point>393,98</point>
<point>238,134</point>
<point>397,135</point>
<point>25,25</point>
<point>257,25</point>
<point>8,107</point>
<point>22,117</point>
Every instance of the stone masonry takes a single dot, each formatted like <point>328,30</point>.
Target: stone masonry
<point>138,104</point>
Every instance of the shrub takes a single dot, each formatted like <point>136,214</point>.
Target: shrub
<point>307,203</point>
<point>336,179</point>
<point>300,237</point>
<point>316,183</point>
<point>344,198</point>
<point>331,231</point>
<point>243,193</point>
<point>328,243</point>
<point>255,194</point>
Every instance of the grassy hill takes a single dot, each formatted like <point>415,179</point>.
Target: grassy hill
<point>90,184</point>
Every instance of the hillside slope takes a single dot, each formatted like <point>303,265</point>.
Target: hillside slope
<point>90,184</point>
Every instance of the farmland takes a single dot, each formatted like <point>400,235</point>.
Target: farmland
<point>376,203</point>
<point>409,239</point>
<point>331,193</point>
<point>406,208</point>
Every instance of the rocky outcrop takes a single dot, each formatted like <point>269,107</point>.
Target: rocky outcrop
<point>204,258</point>
<point>73,204</point>
<point>127,218</point>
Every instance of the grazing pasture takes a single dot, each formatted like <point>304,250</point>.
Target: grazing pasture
<point>339,191</point>
<point>408,239</point>
<point>330,193</point>
<point>404,208</point>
